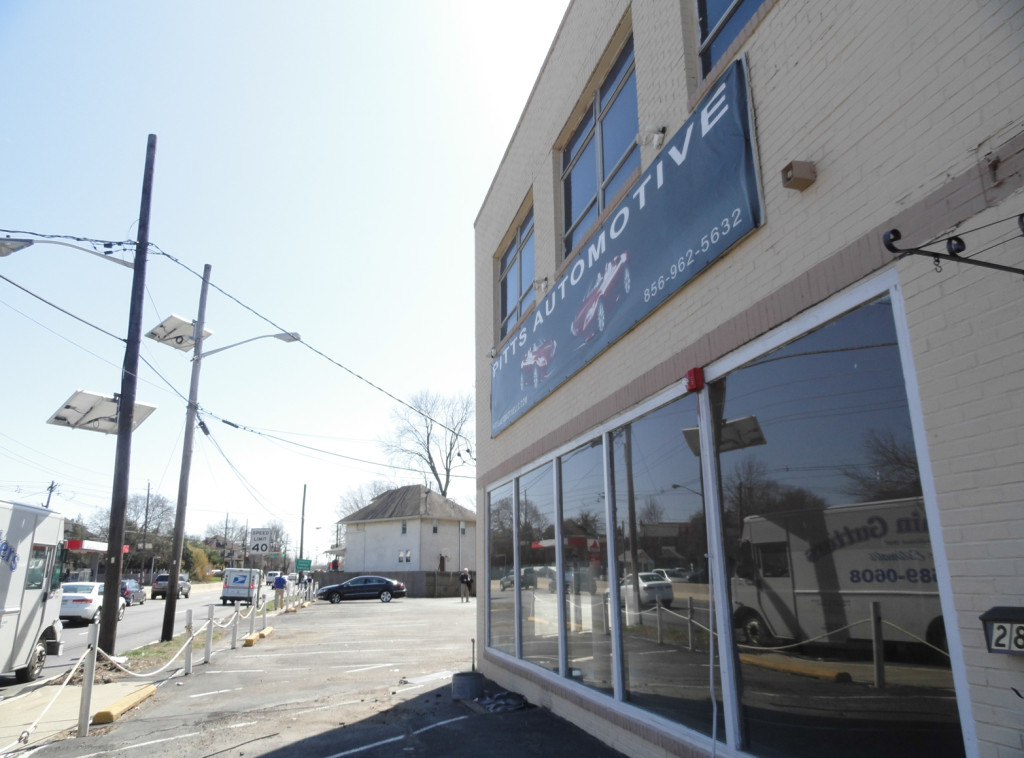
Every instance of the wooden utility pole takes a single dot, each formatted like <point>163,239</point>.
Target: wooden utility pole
<point>125,417</point>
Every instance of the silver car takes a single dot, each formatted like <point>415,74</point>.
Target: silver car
<point>83,601</point>
<point>653,589</point>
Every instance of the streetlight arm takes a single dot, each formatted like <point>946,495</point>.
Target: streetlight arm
<point>9,245</point>
<point>283,336</point>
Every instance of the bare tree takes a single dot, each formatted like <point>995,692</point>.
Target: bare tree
<point>889,471</point>
<point>432,437</point>
<point>359,497</point>
<point>356,499</point>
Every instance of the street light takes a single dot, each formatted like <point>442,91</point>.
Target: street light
<point>171,332</point>
<point>129,383</point>
<point>9,245</point>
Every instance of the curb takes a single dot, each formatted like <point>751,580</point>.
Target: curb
<point>119,707</point>
<point>803,668</point>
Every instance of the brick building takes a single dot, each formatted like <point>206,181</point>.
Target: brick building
<point>693,315</point>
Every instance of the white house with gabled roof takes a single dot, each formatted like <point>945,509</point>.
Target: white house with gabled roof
<point>410,529</point>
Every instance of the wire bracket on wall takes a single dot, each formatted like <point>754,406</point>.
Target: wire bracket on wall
<point>954,247</point>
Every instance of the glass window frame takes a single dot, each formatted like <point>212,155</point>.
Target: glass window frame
<point>726,28</point>
<point>515,291</point>
<point>589,133</point>
<point>831,309</point>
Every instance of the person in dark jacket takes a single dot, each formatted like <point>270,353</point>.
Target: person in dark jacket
<point>465,583</point>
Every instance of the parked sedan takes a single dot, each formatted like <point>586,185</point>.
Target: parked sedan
<point>132,592</point>
<point>83,601</point>
<point>362,588</point>
<point>653,589</point>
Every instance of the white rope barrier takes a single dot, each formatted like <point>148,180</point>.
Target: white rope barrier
<point>23,737</point>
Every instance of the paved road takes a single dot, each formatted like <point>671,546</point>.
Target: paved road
<point>359,678</point>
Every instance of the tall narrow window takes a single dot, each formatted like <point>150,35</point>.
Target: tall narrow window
<point>602,153</point>
<point>435,526</point>
<point>516,276</point>
<point>721,21</point>
<point>404,526</point>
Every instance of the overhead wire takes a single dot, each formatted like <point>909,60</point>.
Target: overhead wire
<point>104,247</point>
<point>314,349</point>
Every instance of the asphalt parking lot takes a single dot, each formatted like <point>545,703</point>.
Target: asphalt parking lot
<point>358,678</point>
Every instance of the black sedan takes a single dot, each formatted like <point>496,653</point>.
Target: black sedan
<point>362,588</point>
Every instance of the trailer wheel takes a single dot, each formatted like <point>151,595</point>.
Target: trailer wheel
<point>753,628</point>
<point>35,664</point>
<point>936,636</point>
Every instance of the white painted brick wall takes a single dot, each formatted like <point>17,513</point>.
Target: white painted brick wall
<point>891,101</point>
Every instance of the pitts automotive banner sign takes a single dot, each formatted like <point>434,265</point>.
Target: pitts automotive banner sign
<point>697,200</point>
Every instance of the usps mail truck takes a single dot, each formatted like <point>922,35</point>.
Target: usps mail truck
<point>241,586</point>
<point>31,562</point>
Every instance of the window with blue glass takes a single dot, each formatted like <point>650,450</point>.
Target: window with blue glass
<point>602,153</point>
<point>516,277</point>
<point>721,21</point>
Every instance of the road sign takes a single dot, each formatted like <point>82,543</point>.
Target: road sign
<point>303,564</point>
<point>259,541</point>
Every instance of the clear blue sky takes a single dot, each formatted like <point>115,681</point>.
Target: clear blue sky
<point>327,159</point>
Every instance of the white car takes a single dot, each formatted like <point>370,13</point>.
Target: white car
<point>83,601</point>
<point>654,588</point>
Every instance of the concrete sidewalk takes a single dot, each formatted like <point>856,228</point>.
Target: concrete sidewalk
<point>56,709</point>
<point>362,677</point>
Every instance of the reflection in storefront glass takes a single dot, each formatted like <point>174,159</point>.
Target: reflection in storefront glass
<point>537,561</point>
<point>661,538</point>
<point>585,547</point>
<point>501,556</point>
<point>824,525</point>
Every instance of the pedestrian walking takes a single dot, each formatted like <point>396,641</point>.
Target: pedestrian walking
<point>465,582</point>
<point>280,584</point>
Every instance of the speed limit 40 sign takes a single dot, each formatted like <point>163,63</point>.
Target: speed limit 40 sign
<point>259,541</point>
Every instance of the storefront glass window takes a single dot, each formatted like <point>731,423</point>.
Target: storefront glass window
<point>824,527</point>
<point>584,546</point>
<point>501,562</point>
<point>536,513</point>
<point>661,539</point>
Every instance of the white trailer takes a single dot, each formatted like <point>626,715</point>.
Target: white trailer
<point>810,574</point>
<point>31,561</point>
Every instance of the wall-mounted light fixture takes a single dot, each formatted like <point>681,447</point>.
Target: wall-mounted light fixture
<point>652,135</point>
<point>799,175</point>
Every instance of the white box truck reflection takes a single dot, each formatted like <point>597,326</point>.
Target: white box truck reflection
<point>811,575</point>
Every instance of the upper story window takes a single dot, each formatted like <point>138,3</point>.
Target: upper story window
<point>435,526</point>
<point>404,526</point>
<point>721,21</point>
<point>602,153</point>
<point>516,277</point>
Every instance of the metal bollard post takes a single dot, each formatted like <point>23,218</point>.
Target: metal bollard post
<point>209,634</point>
<point>264,616</point>
<point>252,615</point>
<point>234,624</point>
<point>878,644</point>
<point>188,642</point>
<point>88,675</point>
<point>689,623</point>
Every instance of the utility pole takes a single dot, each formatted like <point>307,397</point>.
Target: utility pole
<point>186,463</point>
<point>125,415</point>
<point>302,530</point>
